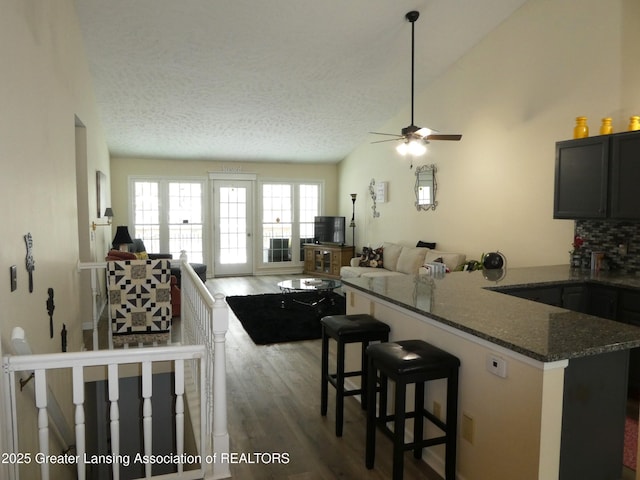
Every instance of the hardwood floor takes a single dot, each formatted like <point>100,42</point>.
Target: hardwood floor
<point>274,407</point>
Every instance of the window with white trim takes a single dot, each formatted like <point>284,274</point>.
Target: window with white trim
<point>168,216</point>
<point>288,211</point>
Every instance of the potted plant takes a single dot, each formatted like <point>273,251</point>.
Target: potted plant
<point>576,253</point>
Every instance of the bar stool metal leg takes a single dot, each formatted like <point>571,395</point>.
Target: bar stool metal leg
<point>364,377</point>
<point>370,448</point>
<point>324,389</point>
<point>398,430</point>
<point>418,419</point>
<point>340,390</point>
<point>452,424</point>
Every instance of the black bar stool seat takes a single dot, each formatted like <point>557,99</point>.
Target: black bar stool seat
<point>359,328</point>
<point>411,362</point>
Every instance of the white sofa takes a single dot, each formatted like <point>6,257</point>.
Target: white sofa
<point>402,260</point>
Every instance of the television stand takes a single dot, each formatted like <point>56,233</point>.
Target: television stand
<point>326,260</point>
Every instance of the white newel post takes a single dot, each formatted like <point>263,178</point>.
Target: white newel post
<point>220,431</point>
<point>43,419</point>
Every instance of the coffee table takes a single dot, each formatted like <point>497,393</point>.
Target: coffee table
<point>323,286</point>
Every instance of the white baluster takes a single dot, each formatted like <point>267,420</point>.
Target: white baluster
<point>114,416</point>
<point>43,419</point>
<point>146,413</point>
<point>94,306</point>
<point>179,389</point>
<point>78,401</point>
<point>220,325</point>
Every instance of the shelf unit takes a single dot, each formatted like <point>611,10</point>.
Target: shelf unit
<point>326,260</point>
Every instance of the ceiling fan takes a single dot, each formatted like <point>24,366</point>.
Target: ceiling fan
<point>413,138</point>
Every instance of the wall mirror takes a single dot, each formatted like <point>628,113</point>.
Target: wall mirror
<point>426,187</point>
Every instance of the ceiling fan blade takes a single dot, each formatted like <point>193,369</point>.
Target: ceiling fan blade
<point>388,140</point>
<point>390,134</point>
<point>441,136</point>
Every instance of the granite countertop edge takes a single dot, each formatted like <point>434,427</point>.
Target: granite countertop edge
<point>629,336</point>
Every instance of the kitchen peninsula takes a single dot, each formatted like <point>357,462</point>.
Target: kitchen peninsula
<point>542,388</point>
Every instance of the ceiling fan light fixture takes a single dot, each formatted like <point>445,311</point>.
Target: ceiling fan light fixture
<point>424,131</point>
<point>413,147</point>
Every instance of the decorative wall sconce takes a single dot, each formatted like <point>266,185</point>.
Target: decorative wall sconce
<point>108,212</point>
<point>372,192</point>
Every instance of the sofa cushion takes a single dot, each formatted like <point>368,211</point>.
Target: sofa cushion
<point>452,260</point>
<point>354,271</point>
<point>380,272</point>
<point>411,259</point>
<point>371,257</point>
<point>391,254</point>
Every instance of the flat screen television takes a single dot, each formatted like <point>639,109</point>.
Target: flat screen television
<point>329,230</point>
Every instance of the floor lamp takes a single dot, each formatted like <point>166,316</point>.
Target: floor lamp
<point>353,222</point>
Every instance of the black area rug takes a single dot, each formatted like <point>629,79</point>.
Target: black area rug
<point>264,319</point>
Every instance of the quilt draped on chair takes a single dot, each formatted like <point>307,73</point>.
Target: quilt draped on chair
<point>139,300</point>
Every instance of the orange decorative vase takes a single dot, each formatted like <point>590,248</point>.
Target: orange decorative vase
<point>581,130</point>
<point>606,128</point>
<point>634,123</point>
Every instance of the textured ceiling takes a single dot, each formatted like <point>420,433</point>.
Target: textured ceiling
<point>277,80</point>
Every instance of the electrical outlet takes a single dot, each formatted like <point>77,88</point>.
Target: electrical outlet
<point>437,410</point>
<point>497,365</point>
<point>468,427</point>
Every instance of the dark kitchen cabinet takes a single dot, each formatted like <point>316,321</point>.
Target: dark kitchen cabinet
<point>629,312</point>
<point>602,301</point>
<point>581,178</point>
<point>574,298</point>
<point>625,176</point>
<point>598,177</point>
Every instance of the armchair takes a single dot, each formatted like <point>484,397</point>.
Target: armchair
<point>139,301</point>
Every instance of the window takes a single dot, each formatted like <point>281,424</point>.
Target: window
<point>288,210</point>
<point>168,216</point>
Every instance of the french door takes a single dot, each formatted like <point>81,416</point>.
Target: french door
<point>232,220</point>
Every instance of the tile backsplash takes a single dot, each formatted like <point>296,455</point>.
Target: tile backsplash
<point>607,236</point>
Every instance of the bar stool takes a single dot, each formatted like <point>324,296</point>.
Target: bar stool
<point>345,329</point>
<point>411,362</point>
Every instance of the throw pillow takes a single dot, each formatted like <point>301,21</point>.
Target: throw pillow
<point>422,244</point>
<point>371,257</point>
<point>410,260</point>
<point>391,254</point>
<point>142,255</point>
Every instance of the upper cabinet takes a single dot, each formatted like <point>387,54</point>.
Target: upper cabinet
<point>598,177</point>
<point>625,176</point>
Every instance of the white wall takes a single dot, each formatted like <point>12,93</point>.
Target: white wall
<point>512,97</point>
<point>44,85</point>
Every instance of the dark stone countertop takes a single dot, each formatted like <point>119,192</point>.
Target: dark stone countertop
<point>469,302</point>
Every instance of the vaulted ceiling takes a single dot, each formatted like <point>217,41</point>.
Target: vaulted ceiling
<point>277,80</point>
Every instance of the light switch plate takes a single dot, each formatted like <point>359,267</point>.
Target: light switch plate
<point>13,274</point>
